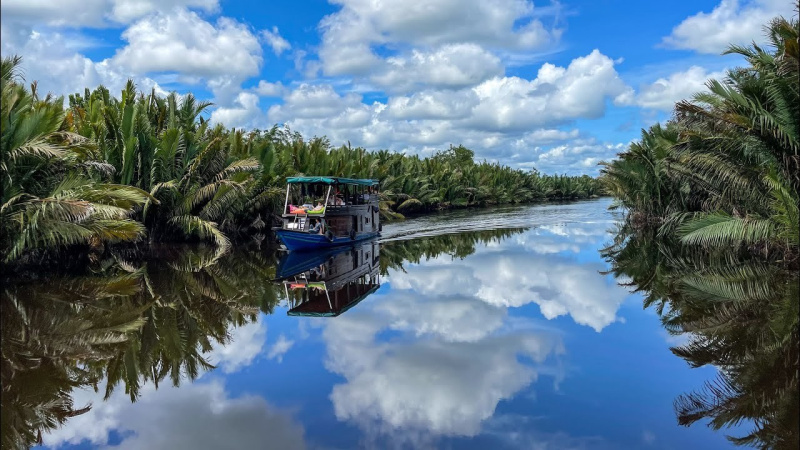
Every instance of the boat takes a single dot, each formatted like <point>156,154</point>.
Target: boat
<point>321,212</point>
<point>327,283</point>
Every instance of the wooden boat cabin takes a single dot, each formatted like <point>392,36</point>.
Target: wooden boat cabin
<point>338,283</point>
<point>322,212</point>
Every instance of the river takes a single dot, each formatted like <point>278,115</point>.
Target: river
<point>489,328</point>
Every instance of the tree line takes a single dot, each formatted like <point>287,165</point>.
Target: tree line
<point>98,169</point>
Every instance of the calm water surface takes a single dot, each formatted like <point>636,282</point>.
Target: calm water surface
<point>488,329</point>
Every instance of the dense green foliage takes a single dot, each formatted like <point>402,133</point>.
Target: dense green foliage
<point>53,193</point>
<point>111,169</point>
<point>726,170</point>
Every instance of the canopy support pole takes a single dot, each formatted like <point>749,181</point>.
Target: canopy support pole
<point>286,202</point>
<point>329,298</point>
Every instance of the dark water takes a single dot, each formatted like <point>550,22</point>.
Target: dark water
<point>471,329</point>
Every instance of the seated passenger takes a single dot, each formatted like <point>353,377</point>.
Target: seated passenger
<point>316,229</point>
<point>336,199</point>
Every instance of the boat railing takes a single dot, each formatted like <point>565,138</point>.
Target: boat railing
<point>300,222</point>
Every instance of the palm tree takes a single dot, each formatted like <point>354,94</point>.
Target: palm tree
<point>742,144</point>
<point>725,171</point>
<point>639,178</point>
<point>51,194</point>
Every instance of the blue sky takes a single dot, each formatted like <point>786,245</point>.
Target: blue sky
<point>557,86</point>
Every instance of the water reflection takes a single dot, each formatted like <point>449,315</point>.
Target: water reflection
<point>326,284</point>
<point>130,324</point>
<point>736,312</point>
<point>505,338</point>
<point>443,346</point>
<point>515,268</point>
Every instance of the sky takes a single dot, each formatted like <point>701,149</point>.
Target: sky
<point>555,86</point>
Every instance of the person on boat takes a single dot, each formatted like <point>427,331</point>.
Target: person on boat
<point>336,199</point>
<point>316,228</point>
<point>319,207</point>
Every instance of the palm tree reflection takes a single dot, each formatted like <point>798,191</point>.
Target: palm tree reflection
<point>128,325</point>
<point>740,314</point>
<point>141,319</point>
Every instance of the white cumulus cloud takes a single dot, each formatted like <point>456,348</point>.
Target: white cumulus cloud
<point>663,93</point>
<point>269,89</point>
<point>350,33</point>
<point>428,386</point>
<point>730,22</point>
<point>556,95</point>
<point>279,348</point>
<point>92,13</point>
<point>450,66</point>
<point>181,41</point>
<point>243,113</point>
<point>54,59</point>
<point>276,41</point>
<point>508,119</point>
<point>246,343</point>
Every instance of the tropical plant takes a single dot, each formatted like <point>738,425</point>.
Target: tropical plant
<point>53,194</point>
<point>725,172</point>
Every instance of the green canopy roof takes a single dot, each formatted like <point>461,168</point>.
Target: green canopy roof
<point>332,180</point>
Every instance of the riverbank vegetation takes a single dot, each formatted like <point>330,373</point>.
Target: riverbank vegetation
<point>725,171</point>
<point>98,169</point>
<point>711,239</point>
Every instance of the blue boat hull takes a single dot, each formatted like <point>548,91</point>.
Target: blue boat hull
<point>298,240</point>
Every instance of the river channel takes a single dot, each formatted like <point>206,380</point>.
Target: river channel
<point>487,328</point>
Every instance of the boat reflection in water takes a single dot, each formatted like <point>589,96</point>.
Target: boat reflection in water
<point>326,284</point>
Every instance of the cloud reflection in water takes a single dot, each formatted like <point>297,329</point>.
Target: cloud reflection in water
<point>436,351</point>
